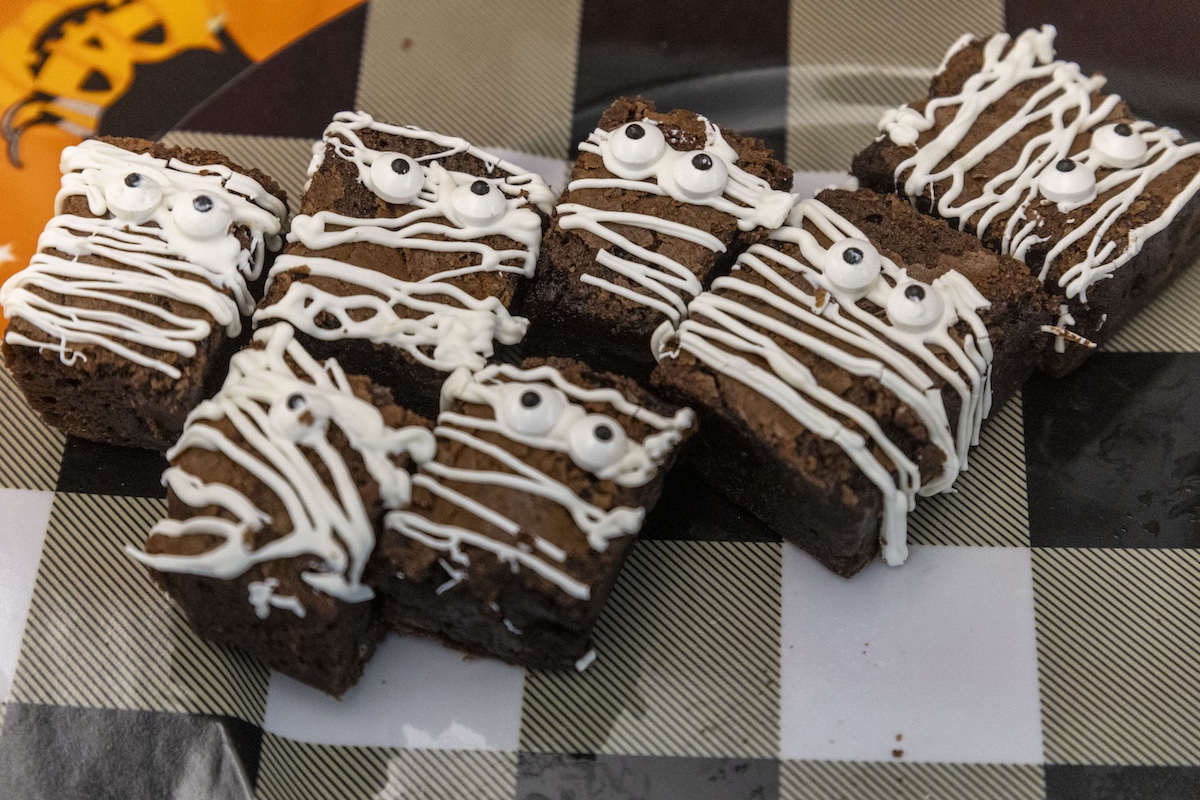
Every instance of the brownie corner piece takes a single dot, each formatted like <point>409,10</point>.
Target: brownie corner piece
<point>142,286</point>
<point>845,366</point>
<point>276,490</point>
<point>519,526</point>
<point>658,205</point>
<point>1027,152</point>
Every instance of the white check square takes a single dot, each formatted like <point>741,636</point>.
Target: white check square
<point>932,661</point>
<point>414,693</point>
<point>26,514</point>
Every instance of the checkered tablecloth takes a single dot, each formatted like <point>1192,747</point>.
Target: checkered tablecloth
<point>1041,642</point>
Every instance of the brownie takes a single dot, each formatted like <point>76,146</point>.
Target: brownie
<point>518,528</point>
<point>659,204</point>
<point>1029,154</point>
<point>405,258</point>
<point>276,491</point>
<point>142,284</point>
<point>845,367</point>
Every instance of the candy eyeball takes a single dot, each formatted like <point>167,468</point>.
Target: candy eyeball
<point>134,197</point>
<point>1119,146</point>
<point>852,265</point>
<point>915,307</point>
<point>700,175</point>
<point>531,409</point>
<point>201,215</point>
<point>1068,181</point>
<point>396,178</point>
<point>596,442</point>
<point>298,416</point>
<point>637,145</point>
<point>478,203</point>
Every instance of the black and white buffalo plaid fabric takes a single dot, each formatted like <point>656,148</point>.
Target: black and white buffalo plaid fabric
<point>1041,642</point>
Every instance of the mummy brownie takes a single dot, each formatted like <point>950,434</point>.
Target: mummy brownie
<point>1029,154</point>
<point>518,527</point>
<point>658,205</point>
<point>142,284</point>
<point>845,367</point>
<point>405,258</point>
<point>276,490</point>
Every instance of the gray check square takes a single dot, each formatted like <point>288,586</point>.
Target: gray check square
<point>1118,655</point>
<point>687,664</point>
<point>292,770</point>
<point>32,450</point>
<point>100,634</point>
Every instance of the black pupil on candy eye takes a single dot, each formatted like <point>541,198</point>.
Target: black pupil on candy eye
<point>295,402</point>
<point>915,293</point>
<point>133,179</point>
<point>1065,165</point>
<point>400,166</point>
<point>702,161</point>
<point>635,131</point>
<point>202,203</point>
<point>852,255</point>
<point>531,399</point>
<point>480,188</point>
<point>603,433</point>
<point>1123,130</point>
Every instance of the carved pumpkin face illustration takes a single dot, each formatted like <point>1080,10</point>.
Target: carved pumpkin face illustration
<point>73,63</point>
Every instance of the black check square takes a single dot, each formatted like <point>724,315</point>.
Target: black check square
<point>541,776</point>
<point>1113,453</point>
<point>70,753</point>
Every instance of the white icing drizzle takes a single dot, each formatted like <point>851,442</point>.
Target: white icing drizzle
<point>667,283</point>
<point>732,339</point>
<point>585,660</point>
<point>159,252</point>
<point>263,598</point>
<point>1062,335</point>
<point>448,328</point>
<point>498,387</point>
<point>284,417</point>
<point>1065,103</point>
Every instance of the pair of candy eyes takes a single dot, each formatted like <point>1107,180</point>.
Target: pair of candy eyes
<point>197,214</point>
<point>1116,146</point>
<point>853,266</point>
<point>637,146</point>
<point>594,442</point>
<point>397,178</point>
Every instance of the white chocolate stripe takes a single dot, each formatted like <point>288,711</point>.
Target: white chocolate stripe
<point>1067,95</point>
<point>598,526</point>
<point>283,419</point>
<point>453,330</point>
<point>450,539</point>
<point>896,502</point>
<point>670,281</point>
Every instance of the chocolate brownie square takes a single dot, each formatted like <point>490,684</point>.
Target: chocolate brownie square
<point>518,527</point>
<point>276,490</point>
<point>404,260</point>
<point>141,288</point>
<point>845,367</point>
<point>1029,154</point>
<point>659,204</point>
